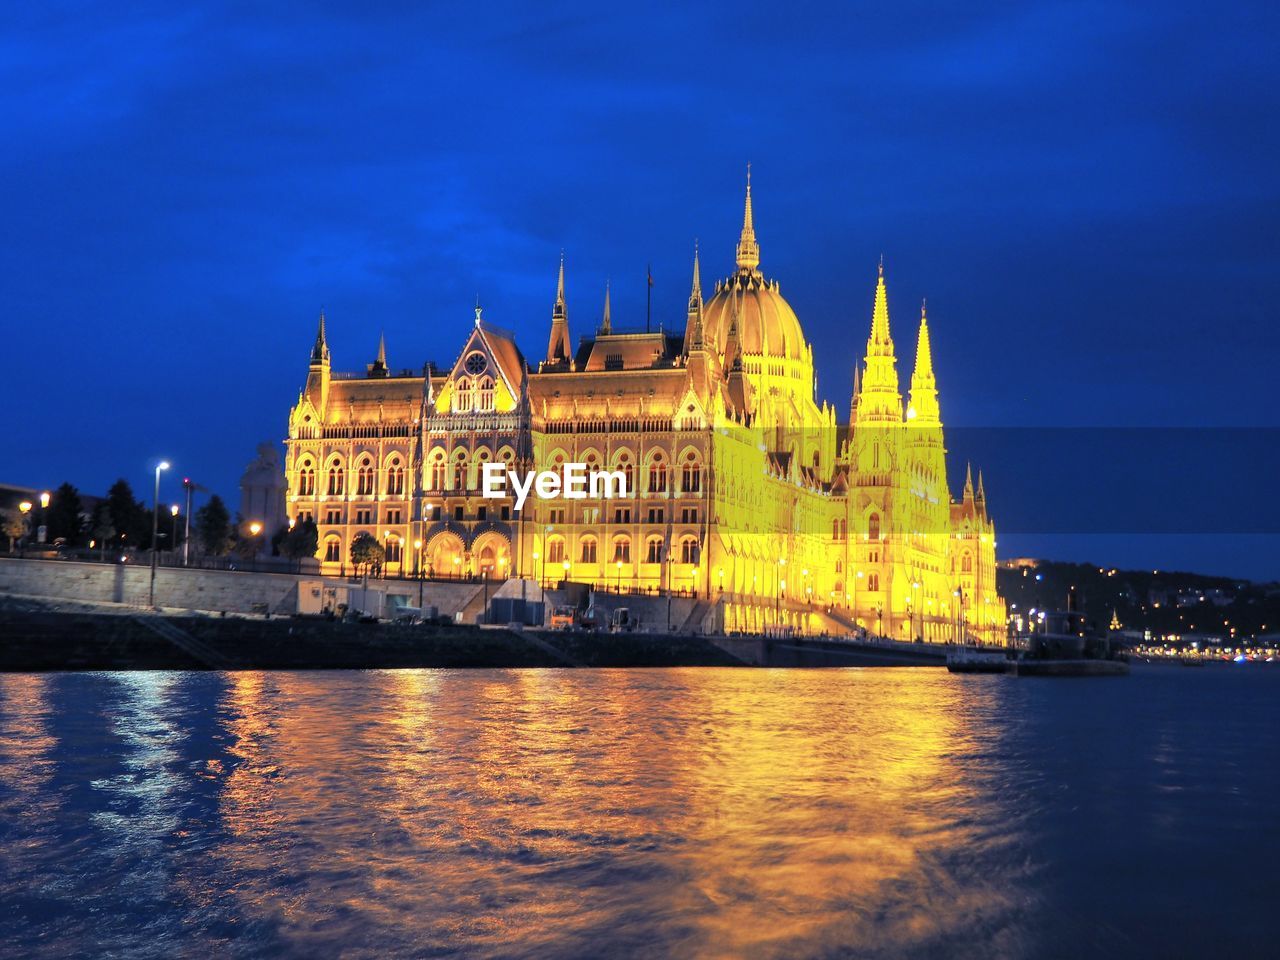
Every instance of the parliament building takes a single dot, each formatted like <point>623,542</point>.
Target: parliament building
<point>742,489</point>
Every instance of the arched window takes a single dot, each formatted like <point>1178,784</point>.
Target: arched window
<point>485,394</point>
<point>332,550</point>
<point>622,550</point>
<point>689,550</point>
<point>395,478</point>
<point>438,472</point>
<point>691,474</point>
<point>555,550</point>
<point>460,470</point>
<point>837,528</point>
<point>589,549</point>
<point>873,581</point>
<point>307,480</point>
<point>629,473</point>
<point>966,563</point>
<point>393,550</point>
<point>364,478</point>
<point>873,526</point>
<point>336,480</point>
<point>657,474</point>
<point>462,396</point>
<point>653,550</point>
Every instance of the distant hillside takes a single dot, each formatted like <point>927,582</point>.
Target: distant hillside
<point>1161,601</point>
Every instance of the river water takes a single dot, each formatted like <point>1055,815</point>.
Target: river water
<point>648,813</point>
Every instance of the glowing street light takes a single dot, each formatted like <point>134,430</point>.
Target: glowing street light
<point>155,531</point>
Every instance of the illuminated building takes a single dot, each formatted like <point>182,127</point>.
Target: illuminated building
<point>743,489</point>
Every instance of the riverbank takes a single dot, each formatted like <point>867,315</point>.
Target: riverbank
<point>38,636</point>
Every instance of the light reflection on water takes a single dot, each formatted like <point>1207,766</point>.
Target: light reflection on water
<point>687,813</point>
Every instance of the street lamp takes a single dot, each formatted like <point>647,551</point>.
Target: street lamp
<point>173,512</point>
<point>25,509</point>
<point>155,531</point>
<point>618,565</point>
<point>255,528</point>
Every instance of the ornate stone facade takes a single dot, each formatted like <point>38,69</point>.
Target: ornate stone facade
<point>743,489</point>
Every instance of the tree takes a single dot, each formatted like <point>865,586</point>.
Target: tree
<point>102,529</point>
<point>13,525</point>
<point>64,515</point>
<point>213,527</point>
<point>131,519</point>
<point>302,541</point>
<point>366,551</point>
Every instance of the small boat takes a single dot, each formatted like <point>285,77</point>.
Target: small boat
<point>970,660</point>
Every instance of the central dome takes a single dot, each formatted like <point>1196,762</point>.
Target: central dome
<point>767,326</point>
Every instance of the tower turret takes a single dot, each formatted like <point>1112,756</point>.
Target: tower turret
<point>880,398</point>
<point>606,322</point>
<point>318,373</point>
<point>693,331</point>
<point>379,366</point>
<point>558,346</point>
<point>923,409</point>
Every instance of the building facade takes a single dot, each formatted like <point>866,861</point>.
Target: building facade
<point>742,489</point>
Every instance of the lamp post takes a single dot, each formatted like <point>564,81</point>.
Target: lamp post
<point>537,568</point>
<point>618,567</point>
<point>417,570</point>
<point>42,530</point>
<point>915,585</point>
<point>173,512</point>
<point>155,531</point>
<point>255,528</point>
<point>25,509</point>
<point>186,538</point>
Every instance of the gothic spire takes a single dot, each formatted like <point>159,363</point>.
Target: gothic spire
<point>924,392</point>
<point>968,483</point>
<point>382,349</point>
<point>880,400</point>
<point>981,495</point>
<point>606,324</point>
<point>558,348</point>
<point>320,352</point>
<point>693,325</point>
<point>748,248</point>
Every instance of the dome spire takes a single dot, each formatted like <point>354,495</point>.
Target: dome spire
<point>748,248</point>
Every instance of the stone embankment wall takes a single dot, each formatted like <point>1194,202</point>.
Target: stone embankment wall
<point>207,590</point>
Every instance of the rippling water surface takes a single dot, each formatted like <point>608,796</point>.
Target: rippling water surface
<point>650,813</point>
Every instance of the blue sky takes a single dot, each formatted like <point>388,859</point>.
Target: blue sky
<point>1085,193</point>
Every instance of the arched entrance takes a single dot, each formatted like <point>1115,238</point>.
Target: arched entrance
<point>446,557</point>
<point>491,554</point>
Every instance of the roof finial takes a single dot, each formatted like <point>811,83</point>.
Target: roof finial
<point>882,264</point>
<point>606,324</point>
<point>748,248</point>
<point>478,309</point>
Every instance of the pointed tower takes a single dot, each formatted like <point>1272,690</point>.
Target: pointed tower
<point>748,248</point>
<point>853,398</point>
<point>693,324</point>
<point>379,366</point>
<point>319,371</point>
<point>980,498</point>
<point>606,322</point>
<point>880,398</point>
<point>968,483</point>
<point>558,347</point>
<point>923,409</point>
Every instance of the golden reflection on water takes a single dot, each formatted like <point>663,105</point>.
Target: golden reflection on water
<point>665,813</point>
